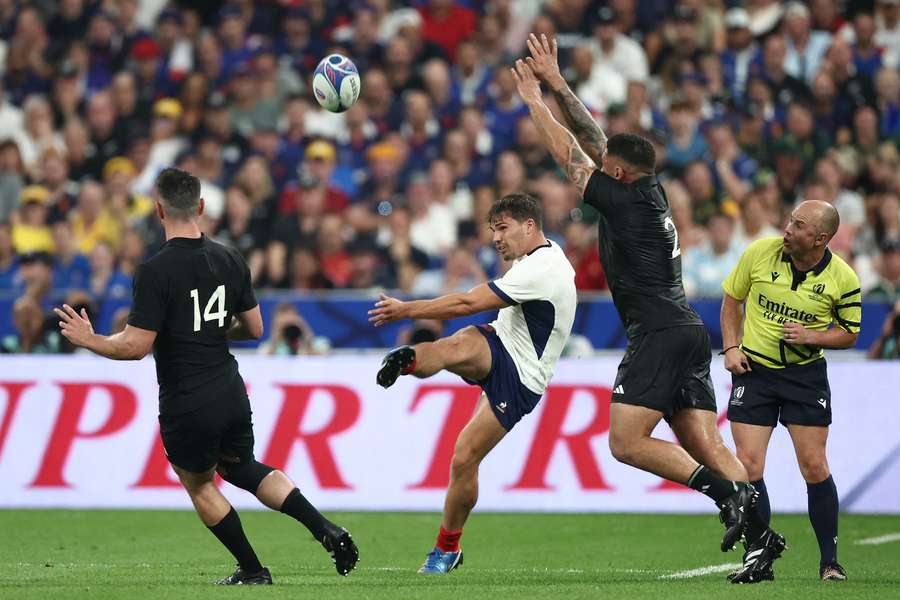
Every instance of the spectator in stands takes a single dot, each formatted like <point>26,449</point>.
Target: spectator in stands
<point>421,131</point>
<point>446,193</point>
<point>707,266</point>
<point>832,118</point>
<point>9,262</point>
<point>12,172</point>
<point>126,206</point>
<point>242,231</point>
<point>291,334</point>
<point>471,75</point>
<point>888,287</point>
<point>732,165</point>
<point>686,144</point>
<point>331,246</point>
<point>511,173</point>
<point>107,281</point>
<point>887,31</point>
<point>432,225</point>
<point>706,198</point>
<point>165,144</point>
<point>446,23</point>
<point>305,270</point>
<point>35,277</point>
<point>92,221</point>
<point>887,346</point>
<point>444,96</point>
<point>71,269</point>
<point>866,55</point>
<point>805,48</point>
<point>31,336</point>
<point>613,48</point>
<point>755,220</point>
<point>504,109</point>
<point>31,233</point>
<point>800,124</point>
<point>583,252</point>
<point>683,50</point>
<point>38,135</point>
<point>315,177</point>
<point>598,85</point>
<point>887,86</point>
<point>854,89</point>
<point>740,52</point>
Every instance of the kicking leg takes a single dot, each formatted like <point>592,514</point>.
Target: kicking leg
<point>475,441</point>
<point>752,443</point>
<point>465,353</point>
<point>223,521</point>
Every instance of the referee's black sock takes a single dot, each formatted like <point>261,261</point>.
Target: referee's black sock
<point>231,534</point>
<point>297,506</point>
<point>823,514</point>
<point>706,482</point>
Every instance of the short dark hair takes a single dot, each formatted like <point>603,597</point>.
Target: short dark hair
<point>519,206</point>
<point>633,149</point>
<point>179,192</point>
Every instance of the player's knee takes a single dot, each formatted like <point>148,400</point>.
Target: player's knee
<point>814,468</point>
<point>245,475</point>
<point>621,448</point>
<point>464,460</point>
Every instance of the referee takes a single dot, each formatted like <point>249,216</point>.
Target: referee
<point>798,299</point>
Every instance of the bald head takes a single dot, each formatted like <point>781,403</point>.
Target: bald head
<point>823,214</point>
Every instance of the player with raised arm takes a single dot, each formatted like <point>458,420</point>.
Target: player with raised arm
<point>190,299</point>
<point>665,371</point>
<point>512,359</point>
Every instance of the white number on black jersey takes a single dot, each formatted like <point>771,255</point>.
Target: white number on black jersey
<point>215,307</point>
<point>669,223</point>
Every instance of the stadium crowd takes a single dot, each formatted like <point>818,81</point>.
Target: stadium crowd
<point>751,106</point>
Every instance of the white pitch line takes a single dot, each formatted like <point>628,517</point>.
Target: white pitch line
<point>881,539</point>
<point>701,571</point>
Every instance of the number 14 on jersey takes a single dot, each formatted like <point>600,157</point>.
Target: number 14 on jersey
<point>215,307</point>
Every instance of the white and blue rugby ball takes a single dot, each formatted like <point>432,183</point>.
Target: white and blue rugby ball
<point>336,83</point>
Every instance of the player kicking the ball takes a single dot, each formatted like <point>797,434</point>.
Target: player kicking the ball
<point>665,371</point>
<point>204,412</point>
<point>512,359</point>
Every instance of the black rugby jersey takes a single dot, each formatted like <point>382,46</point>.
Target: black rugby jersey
<point>188,293</point>
<point>640,253</point>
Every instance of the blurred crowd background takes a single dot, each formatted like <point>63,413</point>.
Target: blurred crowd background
<point>751,106</point>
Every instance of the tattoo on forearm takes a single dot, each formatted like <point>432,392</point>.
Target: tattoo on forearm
<point>582,123</point>
<point>579,167</point>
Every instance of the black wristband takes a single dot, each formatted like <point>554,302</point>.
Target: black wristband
<point>723,352</point>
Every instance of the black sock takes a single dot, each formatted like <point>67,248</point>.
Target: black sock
<point>706,482</point>
<point>823,514</point>
<point>762,504</point>
<point>297,506</point>
<point>231,534</point>
<point>758,524</point>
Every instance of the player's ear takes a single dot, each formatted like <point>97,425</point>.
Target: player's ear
<point>202,206</point>
<point>160,212</point>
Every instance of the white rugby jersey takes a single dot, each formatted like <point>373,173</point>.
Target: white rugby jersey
<point>540,288</point>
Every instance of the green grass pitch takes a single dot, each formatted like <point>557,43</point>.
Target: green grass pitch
<point>56,554</point>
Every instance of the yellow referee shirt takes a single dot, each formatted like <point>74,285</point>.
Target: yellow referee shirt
<point>777,293</point>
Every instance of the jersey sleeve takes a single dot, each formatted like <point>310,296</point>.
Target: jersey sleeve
<point>520,284</point>
<point>148,306</point>
<point>602,193</point>
<point>848,308</point>
<point>247,298</point>
<point>737,284</point>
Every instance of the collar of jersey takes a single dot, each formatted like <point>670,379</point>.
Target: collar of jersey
<point>533,250</point>
<point>826,258</point>
<point>187,242</point>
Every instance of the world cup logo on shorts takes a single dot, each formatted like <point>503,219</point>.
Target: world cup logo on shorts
<point>736,395</point>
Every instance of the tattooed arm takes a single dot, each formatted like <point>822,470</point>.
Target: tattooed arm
<point>543,63</point>
<point>559,140</point>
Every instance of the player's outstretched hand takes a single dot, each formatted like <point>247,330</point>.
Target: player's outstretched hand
<point>543,60</point>
<point>795,333</point>
<point>526,83</point>
<point>736,361</point>
<point>387,309</point>
<point>76,328</point>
